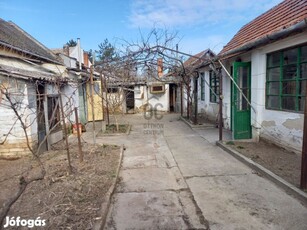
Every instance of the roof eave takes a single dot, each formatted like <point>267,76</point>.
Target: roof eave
<point>30,53</point>
<point>296,28</point>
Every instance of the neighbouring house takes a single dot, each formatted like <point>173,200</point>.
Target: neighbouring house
<point>156,95</point>
<point>200,87</point>
<point>78,67</point>
<point>33,82</point>
<point>267,58</point>
<point>137,94</point>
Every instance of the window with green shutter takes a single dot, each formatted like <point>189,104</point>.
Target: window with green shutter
<point>214,87</point>
<point>286,79</point>
<point>202,86</point>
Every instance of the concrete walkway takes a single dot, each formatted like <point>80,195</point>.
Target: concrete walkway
<point>177,178</point>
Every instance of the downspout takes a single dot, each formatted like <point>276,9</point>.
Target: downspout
<point>196,98</point>
<point>188,100</point>
<point>267,39</point>
<point>181,99</point>
<point>221,107</point>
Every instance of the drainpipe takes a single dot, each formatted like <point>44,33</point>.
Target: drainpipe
<point>181,98</point>
<point>196,98</point>
<point>267,39</point>
<point>221,107</point>
<point>303,183</point>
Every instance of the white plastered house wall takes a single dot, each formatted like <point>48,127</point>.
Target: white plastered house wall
<point>206,108</point>
<point>12,132</point>
<point>12,135</point>
<point>143,97</point>
<point>15,144</point>
<point>195,68</point>
<point>280,127</point>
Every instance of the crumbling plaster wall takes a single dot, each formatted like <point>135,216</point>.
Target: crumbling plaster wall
<point>284,129</point>
<point>280,127</point>
<point>12,136</point>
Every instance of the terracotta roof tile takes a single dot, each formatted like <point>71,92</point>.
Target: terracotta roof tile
<point>193,59</point>
<point>199,58</point>
<point>282,16</point>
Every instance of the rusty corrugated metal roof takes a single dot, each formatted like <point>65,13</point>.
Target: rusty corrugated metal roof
<point>280,17</point>
<point>25,74</point>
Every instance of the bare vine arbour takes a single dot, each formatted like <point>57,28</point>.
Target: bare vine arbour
<point>13,99</point>
<point>138,61</point>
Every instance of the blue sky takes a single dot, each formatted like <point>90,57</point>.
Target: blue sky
<point>200,24</point>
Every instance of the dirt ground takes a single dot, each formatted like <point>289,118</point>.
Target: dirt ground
<point>65,201</point>
<point>283,163</point>
<point>112,129</point>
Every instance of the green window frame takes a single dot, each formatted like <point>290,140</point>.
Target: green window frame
<point>286,79</point>
<point>202,86</point>
<point>214,87</point>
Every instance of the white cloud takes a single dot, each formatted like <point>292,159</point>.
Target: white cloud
<point>180,13</point>
<point>201,23</point>
<point>193,45</point>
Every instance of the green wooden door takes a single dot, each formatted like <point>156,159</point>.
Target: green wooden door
<point>241,110</point>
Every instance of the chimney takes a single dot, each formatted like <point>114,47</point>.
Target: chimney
<point>79,53</point>
<point>160,67</point>
<point>85,57</point>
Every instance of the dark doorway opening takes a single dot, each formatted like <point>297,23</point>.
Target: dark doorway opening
<point>172,97</point>
<point>130,99</point>
<point>41,124</point>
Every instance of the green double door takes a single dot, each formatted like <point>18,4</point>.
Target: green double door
<point>241,110</point>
